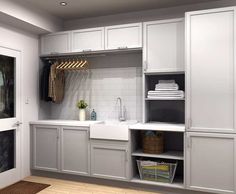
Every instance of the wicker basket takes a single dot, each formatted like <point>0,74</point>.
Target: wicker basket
<point>153,144</point>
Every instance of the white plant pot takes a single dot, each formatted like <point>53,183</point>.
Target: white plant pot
<point>82,114</point>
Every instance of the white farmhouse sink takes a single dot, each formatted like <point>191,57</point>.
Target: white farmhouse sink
<point>111,130</point>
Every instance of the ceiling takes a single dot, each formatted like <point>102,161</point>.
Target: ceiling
<point>77,9</point>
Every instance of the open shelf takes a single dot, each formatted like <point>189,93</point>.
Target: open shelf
<point>175,155</point>
<point>164,99</point>
<point>178,183</point>
<point>159,126</point>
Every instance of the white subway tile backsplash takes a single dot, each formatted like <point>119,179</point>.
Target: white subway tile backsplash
<point>101,85</point>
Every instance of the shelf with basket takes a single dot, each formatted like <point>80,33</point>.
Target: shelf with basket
<point>153,149</point>
<point>175,155</point>
<point>177,183</point>
<point>158,172</point>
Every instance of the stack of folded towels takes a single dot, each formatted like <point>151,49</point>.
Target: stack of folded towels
<point>166,89</point>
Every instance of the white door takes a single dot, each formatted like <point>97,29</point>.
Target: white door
<point>10,117</point>
<point>211,162</point>
<point>210,52</point>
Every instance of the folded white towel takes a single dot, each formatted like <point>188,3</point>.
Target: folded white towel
<point>171,92</point>
<point>166,97</point>
<point>166,81</point>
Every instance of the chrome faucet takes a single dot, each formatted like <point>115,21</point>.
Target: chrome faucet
<point>121,114</point>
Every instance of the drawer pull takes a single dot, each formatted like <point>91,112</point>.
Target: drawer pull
<point>122,47</point>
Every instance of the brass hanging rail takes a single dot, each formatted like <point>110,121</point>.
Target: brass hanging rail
<point>69,63</point>
<point>72,64</point>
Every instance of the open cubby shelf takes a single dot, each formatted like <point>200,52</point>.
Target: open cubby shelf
<point>178,181</point>
<point>166,115</point>
<point>168,110</point>
<point>175,155</point>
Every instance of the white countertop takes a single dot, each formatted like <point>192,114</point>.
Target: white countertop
<point>158,126</point>
<point>65,122</point>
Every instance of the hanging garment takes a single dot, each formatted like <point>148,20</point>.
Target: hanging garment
<point>56,84</point>
<point>44,83</point>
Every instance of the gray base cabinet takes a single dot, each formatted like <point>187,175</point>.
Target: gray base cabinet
<point>110,159</point>
<point>61,149</point>
<point>46,148</point>
<point>75,150</point>
<point>211,162</point>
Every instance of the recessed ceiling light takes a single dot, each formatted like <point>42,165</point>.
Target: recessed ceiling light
<point>63,3</point>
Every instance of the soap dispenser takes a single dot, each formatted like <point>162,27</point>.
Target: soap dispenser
<point>93,115</point>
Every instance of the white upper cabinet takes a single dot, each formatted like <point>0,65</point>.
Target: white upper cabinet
<point>123,36</point>
<point>164,46</point>
<point>211,162</point>
<point>85,40</point>
<point>55,43</point>
<point>210,55</point>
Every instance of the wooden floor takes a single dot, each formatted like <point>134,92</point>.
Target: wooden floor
<point>59,186</point>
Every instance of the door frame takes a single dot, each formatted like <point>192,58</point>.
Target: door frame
<point>15,174</point>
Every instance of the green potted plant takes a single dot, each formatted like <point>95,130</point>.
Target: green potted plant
<point>82,105</point>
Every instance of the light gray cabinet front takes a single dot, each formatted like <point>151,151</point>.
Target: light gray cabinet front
<point>46,148</point>
<point>211,162</point>
<point>109,160</point>
<point>210,54</point>
<point>75,150</point>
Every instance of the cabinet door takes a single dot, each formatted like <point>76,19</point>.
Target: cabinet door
<point>164,46</point>
<point>109,161</point>
<point>123,36</point>
<point>211,70</point>
<point>211,162</point>
<point>55,43</point>
<point>88,40</point>
<point>75,150</point>
<point>46,148</point>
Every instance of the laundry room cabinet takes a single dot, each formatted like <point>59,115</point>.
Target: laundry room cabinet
<point>211,162</point>
<point>75,150</point>
<point>63,149</point>
<point>210,100</point>
<point>211,70</point>
<point>56,43</point>
<point>163,49</point>
<point>123,36</point>
<point>110,159</point>
<point>46,148</point>
<point>87,40</point>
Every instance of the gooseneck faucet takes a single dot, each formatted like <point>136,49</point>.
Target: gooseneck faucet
<point>121,113</point>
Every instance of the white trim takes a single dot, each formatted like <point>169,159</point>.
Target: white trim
<point>15,174</point>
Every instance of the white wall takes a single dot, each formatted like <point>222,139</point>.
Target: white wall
<point>109,77</point>
<point>142,16</point>
<point>28,45</point>
<point>27,17</point>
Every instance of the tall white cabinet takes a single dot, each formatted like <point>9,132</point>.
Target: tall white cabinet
<point>210,108</point>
